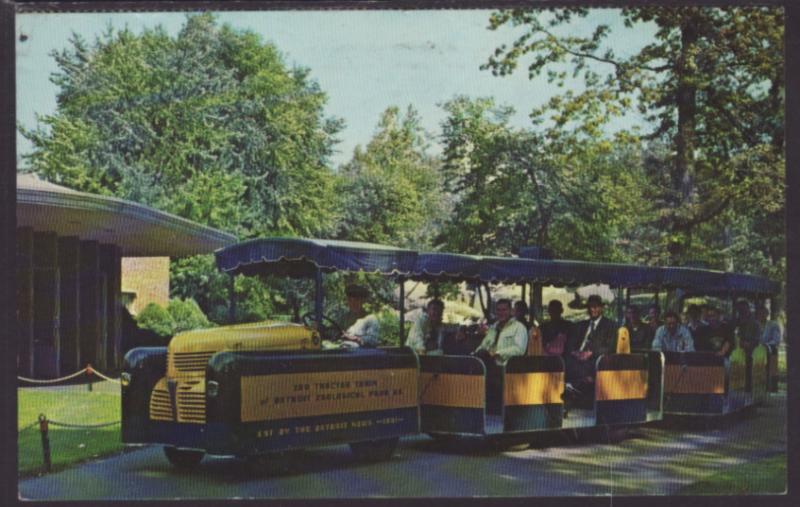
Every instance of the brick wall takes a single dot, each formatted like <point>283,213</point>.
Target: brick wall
<point>148,279</point>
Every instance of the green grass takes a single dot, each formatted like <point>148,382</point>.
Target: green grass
<point>67,445</point>
<point>767,476</point>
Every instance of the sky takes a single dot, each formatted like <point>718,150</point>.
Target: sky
<point>365,61</point>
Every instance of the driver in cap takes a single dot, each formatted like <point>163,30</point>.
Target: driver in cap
<point>360,327</point>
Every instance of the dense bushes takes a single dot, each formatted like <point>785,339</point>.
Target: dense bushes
<point>187,315</point>
<point>157,319</point>
<point>390,321</point>
<point>179,315</point>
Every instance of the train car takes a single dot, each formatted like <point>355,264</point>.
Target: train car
<point>249,390</point>
<point>534,398</point>
<point>702,384</point>
<point>698,384</point>
<point>453,397</point>
<point>253,389</point>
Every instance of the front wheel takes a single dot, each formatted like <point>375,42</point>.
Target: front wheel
<point>374,450</point>
<point>183,458</point>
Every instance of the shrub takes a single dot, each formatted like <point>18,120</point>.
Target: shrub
<point>186,315</point>
<point>390,322</point>
<point>157,319</point>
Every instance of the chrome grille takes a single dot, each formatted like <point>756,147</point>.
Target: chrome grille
<point>191,404</point>
<point>160,406</point>
<point>191,362</point>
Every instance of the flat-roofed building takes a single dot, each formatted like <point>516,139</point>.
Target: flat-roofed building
<point>70,247</point>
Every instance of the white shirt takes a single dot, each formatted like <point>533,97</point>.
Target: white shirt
<point>420,331</point>
<point>591,327</point>
<point>681,341</point>
<point>368,328</point>
<point>513,341</point>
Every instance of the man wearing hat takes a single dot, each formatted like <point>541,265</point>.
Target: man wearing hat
<point>360,327</point>
<point>592,338</point>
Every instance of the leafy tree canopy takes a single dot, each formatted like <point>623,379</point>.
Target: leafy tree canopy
<point>711,84</point>
<point>515,187</point>
<point>392,191</point>
<point>210,125</point>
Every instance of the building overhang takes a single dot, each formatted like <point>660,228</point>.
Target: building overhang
<point>140,231</point>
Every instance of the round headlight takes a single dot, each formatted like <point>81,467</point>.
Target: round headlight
<point>212,389</point>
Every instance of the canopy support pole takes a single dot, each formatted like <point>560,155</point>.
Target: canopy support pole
<point>620,306</point>
<point>680,299</point>
<point>628,297</point>
<point>402,282</point>
<point>319,297</point>
<point>531,302</point>
<point>479,290</point>
<point>232,299</point>
<point>486,306</point>
<point>489,306</point>
<point>536,303</point>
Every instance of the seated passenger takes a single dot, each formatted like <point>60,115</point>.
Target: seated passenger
<point>556,331</point>
<point>714,335</point>
<point>426,335</point>
<point>654,318</point>
<point>592,338</point>
<point>504,339</point>
<point>360,327</point>
<point>673,336</point>
<point>771,334</point>
<point>694,322</point>
<point>641,335</point>
<point>521,314</point>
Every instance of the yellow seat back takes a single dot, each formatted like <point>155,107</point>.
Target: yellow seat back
<point>623,341</point>
<point>535,347</point>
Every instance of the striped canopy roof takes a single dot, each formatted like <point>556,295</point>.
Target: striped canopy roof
<point>298,257</point>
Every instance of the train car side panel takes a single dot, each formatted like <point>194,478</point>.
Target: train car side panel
<point>532,393</point>
<point>269,402</point>
<point>621,389</point>
<point>452,395</point>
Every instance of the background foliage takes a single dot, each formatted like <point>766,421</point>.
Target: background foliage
<point>710,84</point>
<point>179,315</point>
<point>391,189</point>
<point>214,126</point>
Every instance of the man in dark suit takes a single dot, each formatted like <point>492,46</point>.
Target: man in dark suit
<point>592,338</point>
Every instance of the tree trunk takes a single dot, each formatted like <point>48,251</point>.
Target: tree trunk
<point>686,99</point>
<point>776,99</point>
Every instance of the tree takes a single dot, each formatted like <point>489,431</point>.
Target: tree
<point>710,83</point>
<point>211,125</point>
<point>515,187</point>
<point>392,190</point>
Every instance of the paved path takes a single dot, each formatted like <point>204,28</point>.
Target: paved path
<point>653,461</point>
